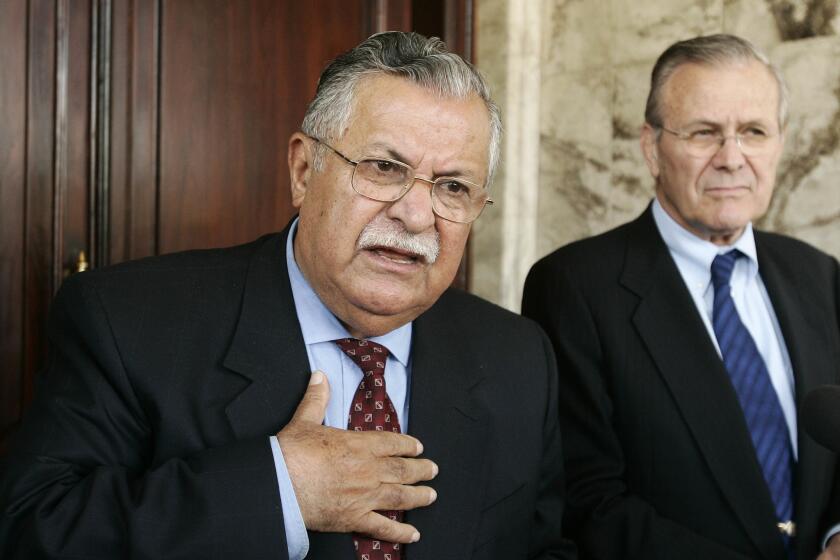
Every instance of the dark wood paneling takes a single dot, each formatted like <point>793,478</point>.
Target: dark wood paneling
<point>458,27</point>
<point>12,186</point>
<point>72,197</point>
<point>236,77</point>
<point>99,162</point>
<point>391,15</point>
<point>135,87</point>
<point>428,18</point>
<point>39,280</point>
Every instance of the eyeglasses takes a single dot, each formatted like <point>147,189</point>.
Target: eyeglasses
<point>705,142</point>
<point>388,180</point>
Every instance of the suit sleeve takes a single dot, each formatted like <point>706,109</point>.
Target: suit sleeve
<point>547,539</point>
<point>832,517</point>
<point>602,516</point>
<point>79,482</point>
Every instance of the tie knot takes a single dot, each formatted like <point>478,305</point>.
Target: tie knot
<point>366,354</point>
<point>722,268</point>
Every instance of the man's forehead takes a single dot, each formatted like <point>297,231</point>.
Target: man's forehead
<point>395,117</point>
<point>742,89</point>
<point>371,91</point>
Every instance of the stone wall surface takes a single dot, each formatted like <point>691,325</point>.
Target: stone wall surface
<point>572,76</point>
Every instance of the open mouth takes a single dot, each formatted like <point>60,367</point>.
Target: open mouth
<point>397,256</point>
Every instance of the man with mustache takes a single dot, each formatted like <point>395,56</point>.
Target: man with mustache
<point>686,340</point>
<point>319,392</point>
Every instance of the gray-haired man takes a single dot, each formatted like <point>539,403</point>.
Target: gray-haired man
<point>153,435</point>
<point>686,340</point>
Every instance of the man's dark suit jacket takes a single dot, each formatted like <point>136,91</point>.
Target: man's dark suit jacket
<point>659,461</point>
<point>148,437</point>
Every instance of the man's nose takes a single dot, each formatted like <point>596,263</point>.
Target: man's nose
<point>729,156</point>
<point>414,209</point>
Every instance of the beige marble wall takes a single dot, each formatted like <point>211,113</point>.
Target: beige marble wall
<point>572,76</point>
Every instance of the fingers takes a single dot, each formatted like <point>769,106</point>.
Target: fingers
<point>389,444</point>
<point>400,497</point>
<point>380,527</point>
<point>406,471</point>
<point>313,406</point>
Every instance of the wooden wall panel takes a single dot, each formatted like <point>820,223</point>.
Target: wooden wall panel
<point>12,186</point>
<point>135,94</point>
<point>391,15</point>
<point>39,279</point>
<point>458,17</point>
<point>236,77</point>
<point>72,196</point>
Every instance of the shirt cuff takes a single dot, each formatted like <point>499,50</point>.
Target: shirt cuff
<point>830,533</point>
<point>296,538</point>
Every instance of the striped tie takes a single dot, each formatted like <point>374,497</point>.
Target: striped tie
<point>751,381</point>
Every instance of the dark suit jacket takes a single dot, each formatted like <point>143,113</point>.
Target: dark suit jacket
<point>659,461</point>
<point>148,437</point>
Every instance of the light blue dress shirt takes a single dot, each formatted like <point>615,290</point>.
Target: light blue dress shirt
<point>694,257</point>
<point>320,328</point>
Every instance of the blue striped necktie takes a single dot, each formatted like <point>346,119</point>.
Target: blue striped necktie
<point>758,398</point>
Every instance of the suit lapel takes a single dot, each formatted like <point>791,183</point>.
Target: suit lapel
<point>451,426</point>
<point>794,311</point>
<point>267,347</point>
<point>675,336</point>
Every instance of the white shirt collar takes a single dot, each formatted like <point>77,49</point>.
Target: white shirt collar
<point>695,254</point>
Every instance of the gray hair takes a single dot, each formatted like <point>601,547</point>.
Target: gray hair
<point>423,61</point>
<point>712,50</point>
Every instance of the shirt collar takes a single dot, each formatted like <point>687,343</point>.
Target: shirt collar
<point>318,324</point>
<point>697,254</point>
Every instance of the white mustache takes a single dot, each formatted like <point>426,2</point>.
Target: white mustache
<point>389,234</point>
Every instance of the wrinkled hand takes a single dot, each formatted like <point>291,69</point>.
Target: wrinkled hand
<point>340,477</point>
<point>832,551</point>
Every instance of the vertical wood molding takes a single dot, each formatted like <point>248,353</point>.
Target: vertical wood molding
<point>62,50</point>
<point>100,126</point>
<point>13,142</point>
<point>39,183</point>
<point>133,174</point>
<point>157,31</point>
<point>457,30</point>
<point>467,20</point>
<point>389,15</point>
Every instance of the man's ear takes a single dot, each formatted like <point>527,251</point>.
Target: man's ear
<point>300,166</point>
<point>650,149</point>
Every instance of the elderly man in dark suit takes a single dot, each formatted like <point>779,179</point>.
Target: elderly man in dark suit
<point>686,340</point>
<point>179,418</point>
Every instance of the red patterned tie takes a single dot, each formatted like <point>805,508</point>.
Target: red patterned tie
<point>371,409</point>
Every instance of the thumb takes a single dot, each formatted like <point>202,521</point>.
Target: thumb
<point>313,405</point>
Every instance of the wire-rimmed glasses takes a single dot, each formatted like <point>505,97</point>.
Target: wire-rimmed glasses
<point>705,141</point>
<point>388,180</point>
